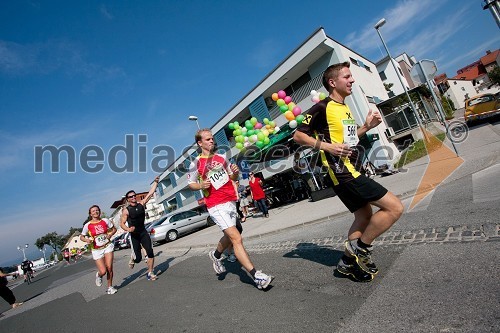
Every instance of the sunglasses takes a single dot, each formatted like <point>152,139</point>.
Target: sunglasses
<point>131,196</point>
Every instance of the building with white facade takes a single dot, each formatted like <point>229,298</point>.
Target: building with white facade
<point>297,75</point>
<point>388,75</point>
<point>459,91</point>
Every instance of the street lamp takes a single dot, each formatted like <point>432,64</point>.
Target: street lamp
<point>494,7</point>
<point>43,250</point>
<point>194,118</point>
<point>377,27</point>
<point>22,248</point>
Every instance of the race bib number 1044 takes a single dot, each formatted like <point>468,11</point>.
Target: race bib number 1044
<point>218,177</point>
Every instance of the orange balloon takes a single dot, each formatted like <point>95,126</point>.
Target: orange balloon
<point>275,97</point>
<point>289,115</point>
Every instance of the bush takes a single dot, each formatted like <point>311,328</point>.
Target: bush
<point>447,107</point>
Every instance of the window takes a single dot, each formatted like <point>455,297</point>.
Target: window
<point>189,214</point>
<point>368,68</point>
<point>400,71</point>
<point>382,76</point>
<point>176,218</point>
<point>353,61</point>
<point>297,84</point>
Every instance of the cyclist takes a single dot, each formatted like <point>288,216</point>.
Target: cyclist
<point>27,267</point>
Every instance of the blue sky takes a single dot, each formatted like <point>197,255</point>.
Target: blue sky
<point>86,73</point>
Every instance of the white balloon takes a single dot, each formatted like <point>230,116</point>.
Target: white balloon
<point>292,123</point>
<point>313,92</point>
<point>244,130</point>
<point>246,139</point>
<point>276,129</point>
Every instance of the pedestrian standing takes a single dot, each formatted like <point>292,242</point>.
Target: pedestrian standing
<point>330,127</point>
<point>242,200</point>
<point>257,194</point>
<point>98,232</point>
<point>212,173</point>
<point>132,220</point>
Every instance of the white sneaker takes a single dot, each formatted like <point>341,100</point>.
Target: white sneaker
<point>111,290</point>
<point>217,263</point>
<point>98,279</point>
<point>262,280</point>
<point>231,258</point>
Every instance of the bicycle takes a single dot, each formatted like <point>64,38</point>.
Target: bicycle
<point>29,277</point>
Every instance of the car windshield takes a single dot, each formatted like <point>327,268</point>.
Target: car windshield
<point>482,99</point>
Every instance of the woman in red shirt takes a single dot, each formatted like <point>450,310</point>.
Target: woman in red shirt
<point>98,232</point>
<point>257,194</point>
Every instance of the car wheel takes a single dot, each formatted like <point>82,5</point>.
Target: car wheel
<point>171,236</point>
<point>210,221</point>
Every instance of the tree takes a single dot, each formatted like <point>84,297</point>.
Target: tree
<point>448,110</point>
<point>51,239</point>
<point>72,230</point>
<point>494,75</point>
<point>388,86</point>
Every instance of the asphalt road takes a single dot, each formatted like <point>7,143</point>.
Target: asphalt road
<point>438,286</point>
<point>438,273</point>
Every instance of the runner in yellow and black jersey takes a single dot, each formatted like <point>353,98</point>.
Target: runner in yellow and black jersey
<point>332,122</point>
<point>330,127</point>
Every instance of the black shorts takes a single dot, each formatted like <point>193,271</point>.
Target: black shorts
<point>359,192</point>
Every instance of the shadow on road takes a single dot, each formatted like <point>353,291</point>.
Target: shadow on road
<point>236,269</point>
<point>323,255</point>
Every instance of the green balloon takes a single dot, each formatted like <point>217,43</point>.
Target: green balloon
<point>249,126</point>
<point>283,108</point>
<point>299,118</point>
<point>237,132</point>
<point>250,132</point>
<point>231,126</point>
<point>236,124</point>
<point>272,123</point>
<point>259,144</point>
<point>266,141</point>
<point>266,121</point>
<point>239,145</point>
<point>260,136</point>
<point>253,120</point>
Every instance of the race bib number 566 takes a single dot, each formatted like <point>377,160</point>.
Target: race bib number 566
<point>350,132</point>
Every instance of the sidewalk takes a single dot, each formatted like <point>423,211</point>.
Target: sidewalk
<point>480,151</point>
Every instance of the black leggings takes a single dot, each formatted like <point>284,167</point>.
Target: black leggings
<point>143,239</point>
<point>7,295</point>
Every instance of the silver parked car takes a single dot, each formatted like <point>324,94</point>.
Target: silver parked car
<point>169,227</point>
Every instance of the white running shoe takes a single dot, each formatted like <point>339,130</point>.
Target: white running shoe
<point>98,279</point>
<point>262,280</point>
<point>217,263</point>
<point>111,290</point>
